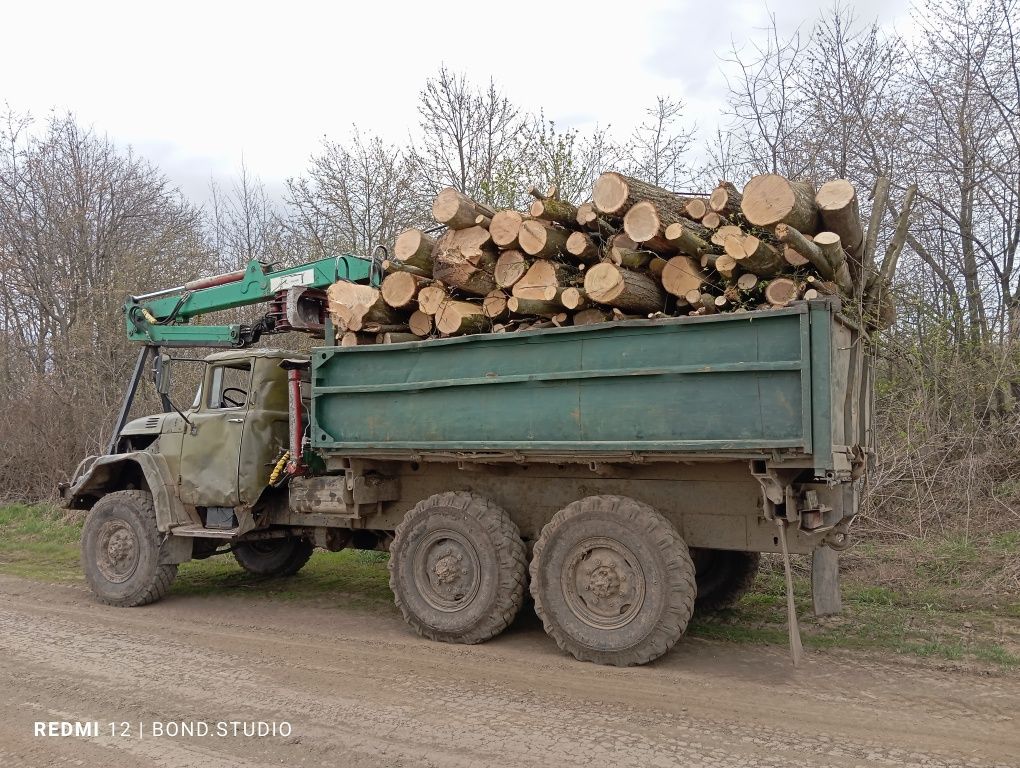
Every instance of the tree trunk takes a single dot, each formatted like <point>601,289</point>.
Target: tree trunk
<point>510,267</point>
<point>682,274</point>
<point>806,248</point>
<point>458,211</point>
<point>414,249</point>
<point>841,213</point>
<point>557,211</point>
<point>770,199</point>
<point>688,238</point>
<point>832,249</point>
<point>629,258</point>
<point>466,260</point>
<point>533,307</point>
<point>420,323</point>
<point>581,247</point>
<point>623,289</point>
<point>505,227</point>
<point>781,291</point>
<point>725,199</point>
<point>400,289</point>
<point>615,193</point>
<point>459,317</point>
<point>755,255</point>
<point>541,240</point>
<point>544,280</point>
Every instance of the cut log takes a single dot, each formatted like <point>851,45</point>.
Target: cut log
<point>696,209</point>
<point>458,211</point>
<point>554,210</point>
<point>615,193</point>
<point>682,274</point>
<point>693,297</point>
<point>574,299</point>
<point>622,240</point>
<point>726,265</point>
<point>544,280</point>
<point>755,255</point>
<point>592,316</point>
<point>806,248</point>
<point>353,305</point>
<point>420,323</point>
<point>841,213</point>
<point>589,218</point>
<point>771,199</point>
<point>483,221</point>
<point>400,289</point>
<point>459,317</point>
<point>541,240</point>
<point>414,248</point>
<point>629,258</point>
<point>352,339</point>
<point>781,291</point>
<point>494,305</point>
<point>832,248</point>
<point>396,338</point>
<point>629,291</point>
<point>392,265</point>
<point>713,220</point>
<point>383,327</point>
<point>727,230</point>
<point>647,221</point>
<point>505,227</point>
<point>823,287</point>
<point>532,307</point>
<point>793,258</point>
<point>582,248</point>
<point>689,238</point>
<point>708,304</point>
<point>725,199</point>
<point>747,282</point>
<point>466,260</point>
<point>431,298</point>
<point>510,267</point>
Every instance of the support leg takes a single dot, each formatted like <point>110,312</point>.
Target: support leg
<point>825,595</point>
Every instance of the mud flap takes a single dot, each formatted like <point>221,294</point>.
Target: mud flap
<point>796,649</point>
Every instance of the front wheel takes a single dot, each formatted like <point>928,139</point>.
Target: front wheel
<point>120,551</point>
<point>613,582</point>
<point>273,557</point>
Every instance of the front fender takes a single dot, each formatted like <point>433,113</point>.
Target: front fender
<point>111,473</point>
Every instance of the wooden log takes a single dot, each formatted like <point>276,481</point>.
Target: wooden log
<point>727,230</point>
<point>755,255</point>
<point>392,265</point>
<point>400,289</point>
<point>693,297</point>
<point>353,305</point>
<point>614,194</point>
<point>371,327</point>
<point>713,220</point>
<point>466,260</point>
<point>841,213</point>
<point>591,316</point>
<point>510,267</point>
<point>831,247</point>
<point>588,218</point>
<point>413,248</point>
<point>544,280</point>
<point>622,240</point>
<point>494,305</point>
<point>582,248</point>
<point>629,258</point>
<point>541,240</point>
<point>688,238</point>
<point>806,248</point>
<point>747,282</point>
<point>680,275</point>
<point>696,209</point>
<point>556,211</point>
<point>459,317</point>
<point>621,288</point>
<point>647,221</point>
<point>505,227</point>
<point>726,265</point>
<point>781,291</point>
<point>458,211</point>
<point>708,304</point>
<point>431,298</point>
<point>793,258</point>
<point>772,199</point>
<point>396,338</point>
<point>823,287</point>
<point>420,323</point>
<point>483,221</point>
<point>533,307</point>
<point>725,199</point>
<point>574,299</point>
<point>657,266</point>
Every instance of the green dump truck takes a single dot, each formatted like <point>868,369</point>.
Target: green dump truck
<point>624,473</point>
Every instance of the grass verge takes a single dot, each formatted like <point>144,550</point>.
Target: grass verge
<point>926,599</point>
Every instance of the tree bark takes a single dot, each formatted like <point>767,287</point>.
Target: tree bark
<point>832,248</point>
<point>629,257</point>
<point>414,249</point>
<point>541,240</point>
<point>393,337</point>
<point>689,238</point>
<point>554,210</point>
<point>400,289</point>
<point>615,193</point>
<point>682,274</point>
<point>392,265</point>
<point>458,211</point>
<point>770,199</point>
<point>623,289</point>
<point>533,307</point>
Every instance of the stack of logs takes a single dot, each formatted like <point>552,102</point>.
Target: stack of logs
<point>634,251</point>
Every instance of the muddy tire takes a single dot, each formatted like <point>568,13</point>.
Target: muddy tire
<point>120,551</point>
<point>273,557</point>
<point>613,582</point>
<point>723,576</point>
<point>457,568</point>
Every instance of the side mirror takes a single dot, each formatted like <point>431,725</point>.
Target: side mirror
<point>163,370</point>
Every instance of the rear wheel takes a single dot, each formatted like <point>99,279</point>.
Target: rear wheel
<point>724,576</point>
<point>120,551</point>
<point>457,568</point>
<point>273,557</point>
<point>613,582</point>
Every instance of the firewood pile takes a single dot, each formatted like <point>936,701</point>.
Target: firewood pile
<point>634,251</point>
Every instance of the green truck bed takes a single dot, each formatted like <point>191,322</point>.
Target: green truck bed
<point>788,385</point>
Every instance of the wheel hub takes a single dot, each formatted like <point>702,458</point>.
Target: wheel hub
<point>603,583</point>
<point>117,551</point>
<point>446,569</point>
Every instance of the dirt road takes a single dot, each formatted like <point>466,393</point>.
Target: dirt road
<point>361,690</point>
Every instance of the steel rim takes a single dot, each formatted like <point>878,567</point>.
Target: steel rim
<point>446,570</point>
<point>603,583</point>
<point>117,551</point>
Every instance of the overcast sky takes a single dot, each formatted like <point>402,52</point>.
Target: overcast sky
<point>196,86</point>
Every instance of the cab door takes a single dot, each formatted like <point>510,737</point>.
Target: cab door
<point>211,448</point>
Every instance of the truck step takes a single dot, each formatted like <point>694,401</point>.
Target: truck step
<point>198,531</point>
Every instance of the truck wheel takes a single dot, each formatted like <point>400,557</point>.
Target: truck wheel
<point>724,576</point>
<point>120,551</point>
<point>273,557</point>
<point>613,582</point>
<point>457,568</point>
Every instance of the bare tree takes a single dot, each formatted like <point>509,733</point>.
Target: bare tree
<point>659,145</point>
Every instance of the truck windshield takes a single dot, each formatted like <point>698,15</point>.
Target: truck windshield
<point>228,385</point>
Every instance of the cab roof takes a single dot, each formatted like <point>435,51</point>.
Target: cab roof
<point>247,354</point>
